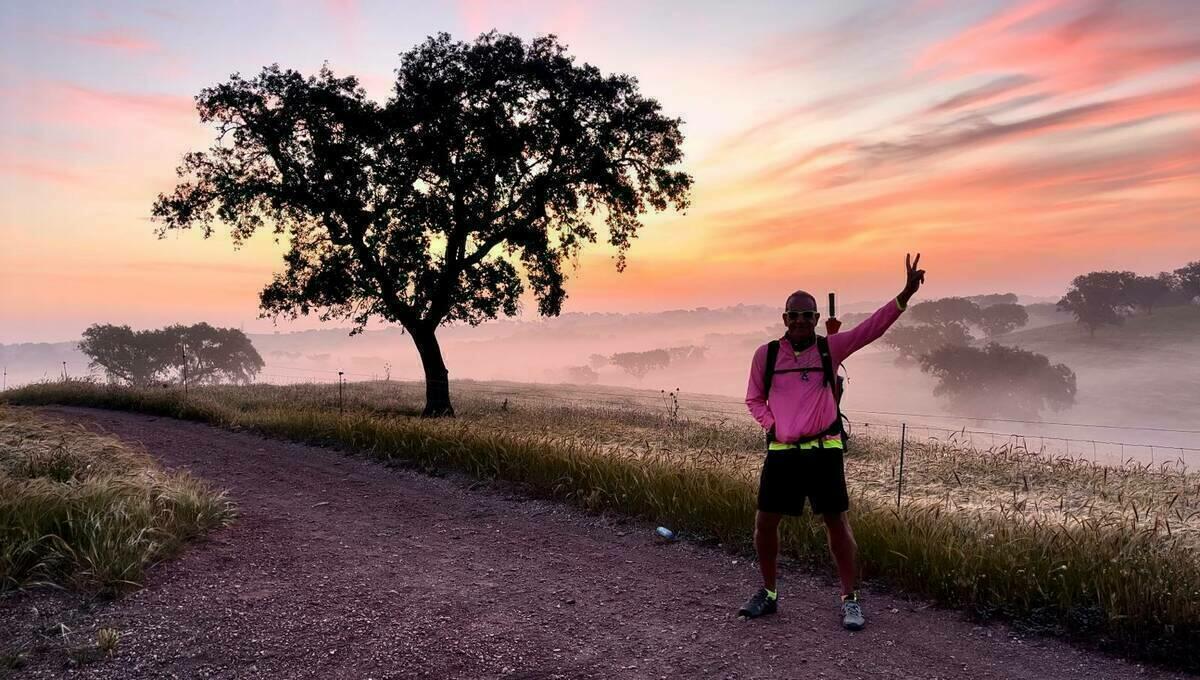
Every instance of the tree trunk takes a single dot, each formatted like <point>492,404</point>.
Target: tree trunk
<point>437,383</point>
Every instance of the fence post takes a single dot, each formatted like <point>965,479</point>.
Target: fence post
<point>340,406</point>
<point>900,483</point>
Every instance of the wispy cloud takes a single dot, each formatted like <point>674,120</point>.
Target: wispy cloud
<point>52,101</point>
<point>40,171</point>
<point>978,131</point>
<point>347,18</point>
<point>121,41</point>
<point>1072,45</point>
<point>983,94</point>
<point>563,17</point>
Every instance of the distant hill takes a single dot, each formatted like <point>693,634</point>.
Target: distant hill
<point>1168,326</point>
<point>1145,371</point>
<point>33,361</point>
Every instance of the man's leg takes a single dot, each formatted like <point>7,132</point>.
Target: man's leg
<point>766,544</point>
<point>843,548</point>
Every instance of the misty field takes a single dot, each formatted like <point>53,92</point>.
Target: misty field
<point>1063,545</point>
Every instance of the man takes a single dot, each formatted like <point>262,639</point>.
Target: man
<point>804,438</point>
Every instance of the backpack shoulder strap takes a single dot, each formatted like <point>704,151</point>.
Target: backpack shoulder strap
<point>826,359</point>
<point>769,369</point>
<point>833,382</point>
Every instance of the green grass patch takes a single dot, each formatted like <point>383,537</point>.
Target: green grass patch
<point>1128,583</point>
<point>84,511</point>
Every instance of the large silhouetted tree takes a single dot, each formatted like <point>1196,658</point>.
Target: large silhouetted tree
<point>485,170</point>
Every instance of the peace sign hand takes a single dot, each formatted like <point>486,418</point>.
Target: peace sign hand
<point>914,277</point>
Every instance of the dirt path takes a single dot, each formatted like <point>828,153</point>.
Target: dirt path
<point>343,568</point>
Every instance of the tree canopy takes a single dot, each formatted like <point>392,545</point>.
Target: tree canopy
<point>945,311</point>
<point>638,364</point>
<point>912,341</point>
<point>1188,278</point>
<point>487,169</point>
<point>1001,318</point>
<point>201,353</point>
<point>1099,298</point>
<point>1147,291</point>
<point>999,380</point>
<point>990,299</point>
<point>137,358</point>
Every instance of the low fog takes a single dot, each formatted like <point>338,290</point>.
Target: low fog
<point>1124,377</point>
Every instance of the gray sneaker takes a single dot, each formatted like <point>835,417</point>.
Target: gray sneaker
<point>852,616</point>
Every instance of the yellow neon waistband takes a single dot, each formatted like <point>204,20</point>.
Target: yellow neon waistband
<point>834,442</point>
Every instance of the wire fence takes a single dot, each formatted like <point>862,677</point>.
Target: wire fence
<point>884,424</point>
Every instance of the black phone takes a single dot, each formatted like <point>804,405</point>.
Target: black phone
<point>832,310</point>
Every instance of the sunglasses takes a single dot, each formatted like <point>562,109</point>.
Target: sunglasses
<point>807,315</point>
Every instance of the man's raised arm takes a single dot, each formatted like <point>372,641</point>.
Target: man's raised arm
<point>842,345</point>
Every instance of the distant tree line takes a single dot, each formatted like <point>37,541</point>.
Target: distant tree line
<point>1107,298</point>
<point>636,364</point>
<point>201,353</point>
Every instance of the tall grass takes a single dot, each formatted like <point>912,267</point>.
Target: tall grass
<point>81,510</point>
<point>1082,569</point>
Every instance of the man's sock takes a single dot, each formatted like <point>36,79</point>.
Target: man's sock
<point>852,597</point>
<point>771,594</point>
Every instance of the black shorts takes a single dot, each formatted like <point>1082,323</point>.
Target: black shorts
<point>789,478</point>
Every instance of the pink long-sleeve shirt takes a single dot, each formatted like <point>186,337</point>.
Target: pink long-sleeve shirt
<point>799,408</point>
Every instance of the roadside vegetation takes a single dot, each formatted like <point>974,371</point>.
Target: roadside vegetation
<point>84,511</point>
<point>1060,545</point>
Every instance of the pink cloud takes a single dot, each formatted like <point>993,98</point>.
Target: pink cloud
<point>39,171</point>
<point>166,14</point>
<point>348,20</point>
<point>113,40</point>
<point>1049,197</point>
<point>57,102</point>
<point>475,16</point>
<point>564,17</point>
<point>1073,45</point>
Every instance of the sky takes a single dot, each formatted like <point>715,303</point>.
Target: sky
<point>1015,144</point>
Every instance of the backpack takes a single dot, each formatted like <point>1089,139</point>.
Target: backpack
<point>830,379</point>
